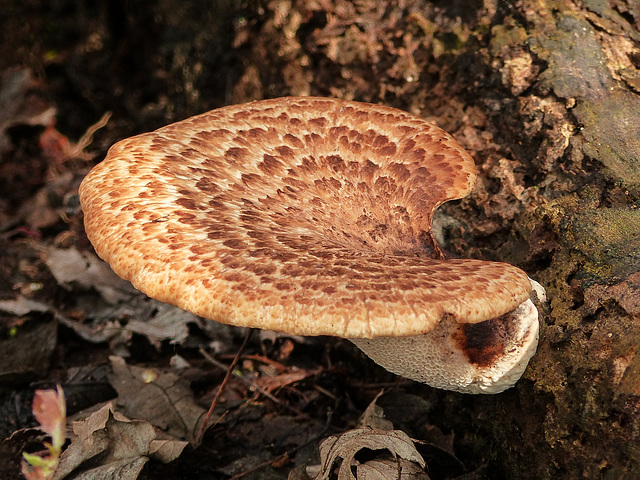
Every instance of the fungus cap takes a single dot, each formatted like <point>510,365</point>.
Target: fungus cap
<point>305,215</point>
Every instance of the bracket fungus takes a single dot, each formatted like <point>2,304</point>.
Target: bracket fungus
<point>312,216</point>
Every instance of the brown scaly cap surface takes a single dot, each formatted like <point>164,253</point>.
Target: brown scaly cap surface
<point>305,215</point>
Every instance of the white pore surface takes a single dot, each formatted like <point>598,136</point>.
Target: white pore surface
<point>437,359</point>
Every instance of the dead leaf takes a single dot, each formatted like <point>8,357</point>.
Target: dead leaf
<point>110,331</point>
<point>166,451</point>
<point>127,469</point>
<point>168,323</point>
<point>348,444</point>
<point>396,455</point>
<point>48,206</point>
<point>166,402</point>
<point>115,324</point>
<point>155,320</point>
<point>373,416</point>
<point>21,306</point>
<point>87,270</point>
<point>20,107</point>
<point>29,351</point>
<point>117,447</point>
<point>413,413</point>
<point>105,331</point>
<point>114,439</point>
<point>399,469</point>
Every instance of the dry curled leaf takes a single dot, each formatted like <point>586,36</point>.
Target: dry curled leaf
<point>165,401</point>
<point>87,271</point>
<point>168,323</point>
<point>116,448</point>
<point>374,417</point>
<point>386,469</point>
<point>348,444</point>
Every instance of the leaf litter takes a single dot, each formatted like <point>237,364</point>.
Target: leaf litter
<point>108,445</point>
<point>347,445</point>
<point>373,450</point>
<point>164,399</point>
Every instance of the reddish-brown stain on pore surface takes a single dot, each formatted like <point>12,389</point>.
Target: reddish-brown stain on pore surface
<point>306,215</point>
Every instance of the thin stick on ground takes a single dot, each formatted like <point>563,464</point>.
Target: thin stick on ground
<point>214,402</point>
<point>250,383</point>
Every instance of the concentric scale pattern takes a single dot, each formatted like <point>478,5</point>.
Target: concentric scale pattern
<point>305,215</point>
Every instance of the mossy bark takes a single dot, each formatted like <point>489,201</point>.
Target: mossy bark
<point>545,96</point>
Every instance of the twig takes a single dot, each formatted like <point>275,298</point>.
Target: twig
<point>214,402</point>
<point>250,383</point>
<point>325,392</point>
<point>262,359</point>
<point>87,137</point>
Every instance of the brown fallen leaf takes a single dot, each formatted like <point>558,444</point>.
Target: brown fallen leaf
<point>155,320</point>
<point>386,469</point>
<point>395,454</point>
<point>116,448</point>
<point>167,323</point>
<point>166,451</point>
<point>18,104</point>
<point>413,413</point>
<point>347,445</point>
<point>373,416</point>
<point>163,399</point>
<point>70,266</point>
<point>47,207</point>
<point>27,353</point>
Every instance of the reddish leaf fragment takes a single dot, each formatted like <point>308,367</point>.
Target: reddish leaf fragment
<point>275,383</point>
<point>50,411</point>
